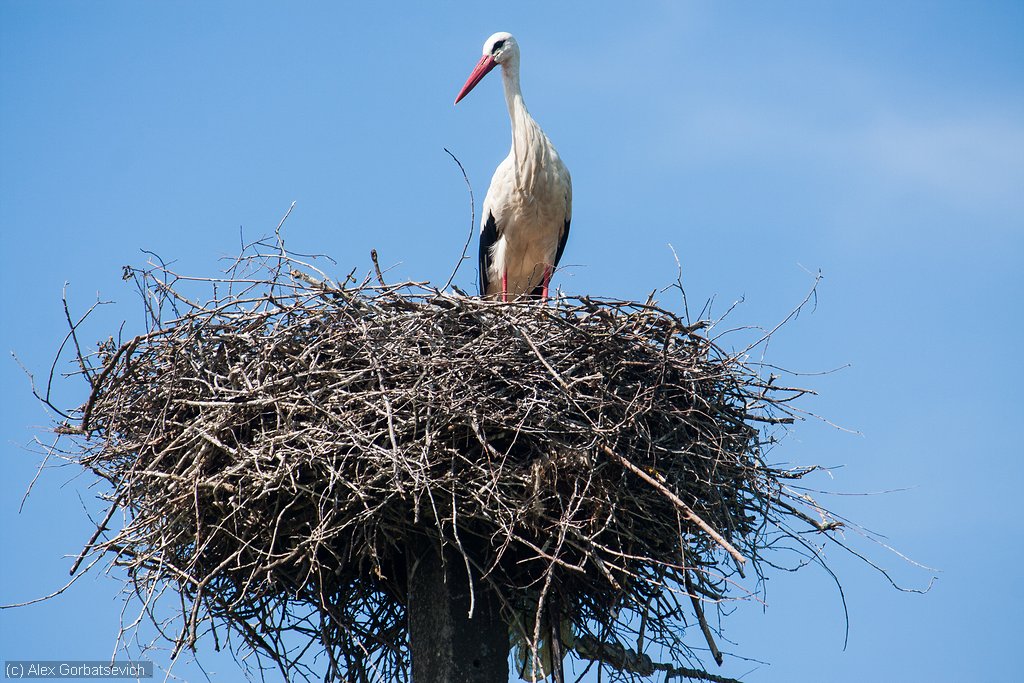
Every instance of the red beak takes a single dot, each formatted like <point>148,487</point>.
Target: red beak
<point>481,69</point>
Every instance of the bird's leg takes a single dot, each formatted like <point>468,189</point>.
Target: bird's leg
<point>504,286</point>
<point>548,270</point>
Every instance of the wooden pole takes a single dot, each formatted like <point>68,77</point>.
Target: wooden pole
<point>446,643</point>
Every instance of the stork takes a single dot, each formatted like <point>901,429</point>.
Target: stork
<point>528,207</point>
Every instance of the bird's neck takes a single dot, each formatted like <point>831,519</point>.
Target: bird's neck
<point>510,79</point>
<point>526,134</point>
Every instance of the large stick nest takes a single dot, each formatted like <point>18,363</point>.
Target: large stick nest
<point>275,448</point>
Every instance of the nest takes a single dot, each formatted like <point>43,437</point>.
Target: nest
<point>274,448</point>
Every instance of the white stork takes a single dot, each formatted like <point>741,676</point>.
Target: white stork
<point>526,213</point>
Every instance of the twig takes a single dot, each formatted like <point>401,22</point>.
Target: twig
<point>701,619</point>
<point>100,528</point>
<point>472,221</point>
<point>376,267</point>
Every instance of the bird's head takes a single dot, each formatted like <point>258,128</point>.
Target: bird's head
<point>500,48</point>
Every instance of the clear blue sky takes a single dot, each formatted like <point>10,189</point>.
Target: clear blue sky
<point>881,142</point>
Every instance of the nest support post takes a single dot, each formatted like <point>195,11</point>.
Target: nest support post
<point>454,636</point>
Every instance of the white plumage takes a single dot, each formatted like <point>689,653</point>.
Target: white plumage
<point>528,207</point>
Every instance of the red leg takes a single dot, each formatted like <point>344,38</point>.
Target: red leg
<point>504,286</point>
<point>548,270</point>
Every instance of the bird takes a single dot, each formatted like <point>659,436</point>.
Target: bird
<point>528,207</point>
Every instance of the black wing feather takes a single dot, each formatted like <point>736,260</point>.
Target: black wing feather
<point>561,243</point>
<point>488,236</point>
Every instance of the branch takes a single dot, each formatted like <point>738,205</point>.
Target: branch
<point>472,220</point>
<point>624,659</point>
<point>686,510</point>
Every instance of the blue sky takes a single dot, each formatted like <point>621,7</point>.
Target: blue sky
<point>880,142</point>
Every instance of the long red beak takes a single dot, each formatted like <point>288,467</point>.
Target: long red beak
<point>482,68</point>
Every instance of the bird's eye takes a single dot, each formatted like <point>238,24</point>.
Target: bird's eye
<point>497,46</point>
